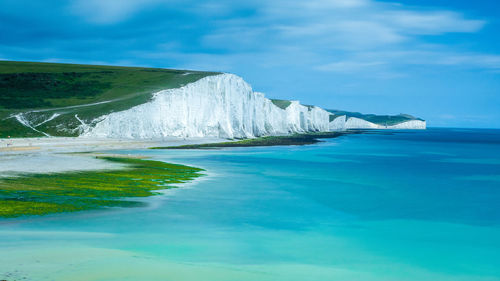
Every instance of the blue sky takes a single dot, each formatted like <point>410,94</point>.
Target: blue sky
<point>437,59</point>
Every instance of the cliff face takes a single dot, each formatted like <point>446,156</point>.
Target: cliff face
<point>357,123</point>
<point>338,124</point>
<point>119,102</point>
<point>221,106</point>
<point>410,125</point>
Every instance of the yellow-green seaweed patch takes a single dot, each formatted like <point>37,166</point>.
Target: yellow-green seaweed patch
<point>39,194</point>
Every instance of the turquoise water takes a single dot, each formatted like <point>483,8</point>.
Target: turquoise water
<point>379,206</point>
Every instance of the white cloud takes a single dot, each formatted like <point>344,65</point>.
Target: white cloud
<point>358,21</point>
<point>430,23</point>
<point>354,37</point>
<point>476,60</point>
<point>344,34</point>
<point>349,36</point>
<point>379,64</point>
<point>108,11</point>
<point>438,56</point>
<point>305,9</point>
<point>329,4</point>
<point>329,28</point>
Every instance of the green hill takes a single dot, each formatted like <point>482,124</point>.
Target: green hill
<point>52,97</point>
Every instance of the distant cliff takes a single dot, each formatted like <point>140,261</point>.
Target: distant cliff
<point>357,120</point>
<point>358,123</point>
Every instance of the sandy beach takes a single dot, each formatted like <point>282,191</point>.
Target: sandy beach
<point>49,155</point>
<point>80,144</point>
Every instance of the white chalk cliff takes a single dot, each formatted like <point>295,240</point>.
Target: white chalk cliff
<point>222,106</point>
<point>215,106</point>
<point>358,123</point>
<point>338,124</point>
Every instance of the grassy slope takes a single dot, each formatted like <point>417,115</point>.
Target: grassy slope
<point>283,104</point>
<point>334,116</point>
<point>65,89</point>
<point>39,194</point>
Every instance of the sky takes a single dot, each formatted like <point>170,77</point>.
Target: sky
<point>436,59</point>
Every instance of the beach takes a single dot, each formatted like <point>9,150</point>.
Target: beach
<point>82,144</point>
<point>60,154</point>
<point>56,175</point>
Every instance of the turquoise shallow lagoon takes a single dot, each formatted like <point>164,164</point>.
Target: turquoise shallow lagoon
<point>401,205</point>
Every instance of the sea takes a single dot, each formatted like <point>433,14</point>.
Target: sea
<point>382,205</point>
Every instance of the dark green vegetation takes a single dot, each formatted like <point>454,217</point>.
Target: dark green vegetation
<point>283,104</point>
<point>333,117</point>
<point>40,194</point>
<point>41,91</point>
<point>385,120</point>
<point>297,139</point>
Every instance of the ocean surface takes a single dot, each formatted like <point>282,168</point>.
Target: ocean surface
<point>406,205</point>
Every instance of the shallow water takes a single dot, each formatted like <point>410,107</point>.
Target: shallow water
<point>384,206</point>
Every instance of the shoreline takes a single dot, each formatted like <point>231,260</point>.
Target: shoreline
<point>35,194</point>
<point>52,145</point>
<point>291,140</point>
<point>41,176</point>
<point>81,144</point>
<point>55,154</point>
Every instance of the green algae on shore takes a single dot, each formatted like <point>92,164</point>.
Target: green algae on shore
<point>40,194</point>
<point>296,139</point>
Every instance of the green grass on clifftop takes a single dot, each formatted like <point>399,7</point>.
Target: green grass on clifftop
<point>88,91</point>
<point>40,194</point>
<point>283,104</point>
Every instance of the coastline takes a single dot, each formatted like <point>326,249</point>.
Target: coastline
<point>16,154</point>
<point>36,172</point>
<point>291,140</point>
<point>42,176</point>
<point>81,144</point>
<point>45,193</point>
